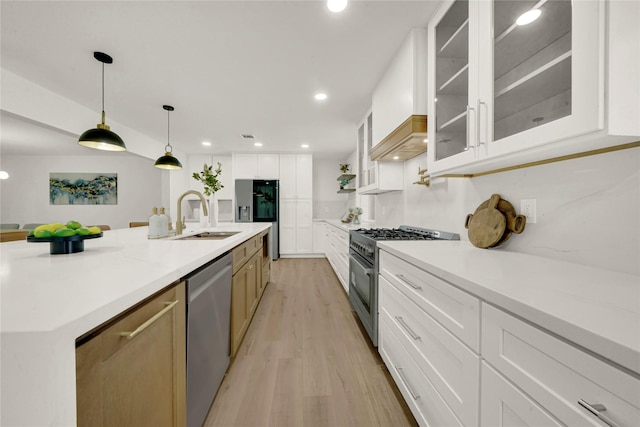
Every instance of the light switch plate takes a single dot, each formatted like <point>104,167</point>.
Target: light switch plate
<point>528,209</point>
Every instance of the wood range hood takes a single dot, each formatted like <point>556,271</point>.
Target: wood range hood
<point>404,143</point>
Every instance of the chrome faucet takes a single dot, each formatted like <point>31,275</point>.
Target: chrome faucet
<point>179,219</point>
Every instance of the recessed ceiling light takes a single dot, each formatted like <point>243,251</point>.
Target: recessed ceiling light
<point>320,96</point>
<point>396,157</point>
<point>528,17</point>
<point>337,5</point>
<point>425,140</point>
<point>4,175</point>
<point>257,144</point>
<point>206,143</point>
<point>304,145</point>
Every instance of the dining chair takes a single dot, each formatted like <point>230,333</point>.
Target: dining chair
<point>13,235</point>
<point>7,226</point>
<point>31,226</point>
<point>138,224</point>
<point>102,227</point>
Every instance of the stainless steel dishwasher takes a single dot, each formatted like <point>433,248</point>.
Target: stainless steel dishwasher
<point>208,341</point>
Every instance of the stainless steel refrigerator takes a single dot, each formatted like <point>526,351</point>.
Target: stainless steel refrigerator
<point>257,200</point>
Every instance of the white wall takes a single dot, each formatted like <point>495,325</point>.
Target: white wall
<point>327,203</point>
<point>24,196</point>
<point>588,209</point>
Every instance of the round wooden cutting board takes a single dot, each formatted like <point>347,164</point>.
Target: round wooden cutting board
<point>515,223</point>
<point>487,225</point>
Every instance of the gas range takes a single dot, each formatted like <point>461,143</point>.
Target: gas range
<point>363,267</point>
<point>362,240</point>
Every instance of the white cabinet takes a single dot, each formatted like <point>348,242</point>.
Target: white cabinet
<point>296,176</point>
<point>534,366</point>
<point>504,405</point>
<point>296,206</point>
<point>296,226</point>
<point>337,252</point>
<point>503,94</point>
<point>458,360</point>
<point>319,237</point>
<point>435,324</point>
<point>375,177</point>
<point>256,166</point>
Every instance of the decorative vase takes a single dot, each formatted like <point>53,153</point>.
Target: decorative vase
<point>213,211</point>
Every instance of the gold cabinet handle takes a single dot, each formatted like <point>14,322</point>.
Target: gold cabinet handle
<point>145,325</point>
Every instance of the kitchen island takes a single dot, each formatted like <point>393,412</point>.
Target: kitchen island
<point>48,301</point>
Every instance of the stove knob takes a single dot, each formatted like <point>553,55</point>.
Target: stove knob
<point>369,250</point>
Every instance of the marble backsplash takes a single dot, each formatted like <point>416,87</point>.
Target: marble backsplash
<point>588,209</point>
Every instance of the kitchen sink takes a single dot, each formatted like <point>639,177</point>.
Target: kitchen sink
<point>209,235</point>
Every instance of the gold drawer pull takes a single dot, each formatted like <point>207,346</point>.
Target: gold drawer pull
<point>145,325</point>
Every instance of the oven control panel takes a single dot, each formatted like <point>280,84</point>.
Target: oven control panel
<point>363,248</point>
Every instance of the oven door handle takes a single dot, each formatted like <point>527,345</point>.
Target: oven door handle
<point>356,258</point>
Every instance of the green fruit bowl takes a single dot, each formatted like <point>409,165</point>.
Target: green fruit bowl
<point>64,245</point>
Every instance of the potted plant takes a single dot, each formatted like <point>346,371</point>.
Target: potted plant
<point>209,178</point>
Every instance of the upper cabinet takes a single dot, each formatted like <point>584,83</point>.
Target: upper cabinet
<point>296,176</point>
<point>375,177</point>
<point>256,166</point>
<point>399,103</point>
<point>502,94</point>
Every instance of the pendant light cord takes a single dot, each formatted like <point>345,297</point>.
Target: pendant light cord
<point>168,147</point>
<point>103,86</point>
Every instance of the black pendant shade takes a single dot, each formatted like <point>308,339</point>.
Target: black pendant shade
<point>101,137</point>
<point>168,161</point>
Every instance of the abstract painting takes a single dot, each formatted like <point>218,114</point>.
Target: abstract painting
<point>68,188</point>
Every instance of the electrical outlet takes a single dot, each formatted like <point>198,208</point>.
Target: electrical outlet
<point>528,209</point>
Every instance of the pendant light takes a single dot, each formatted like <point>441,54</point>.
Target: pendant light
<point>168,161</point>
<point>101,137</point>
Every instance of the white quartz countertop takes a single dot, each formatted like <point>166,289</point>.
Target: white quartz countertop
<point>347,226</point>
<point>47,301</point>
<point>594,308</point>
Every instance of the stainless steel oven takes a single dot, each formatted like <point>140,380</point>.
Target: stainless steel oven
<point>363,268</point>
<point>362,292</point>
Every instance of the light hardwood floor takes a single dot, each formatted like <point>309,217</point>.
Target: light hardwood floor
<point>305,360</point>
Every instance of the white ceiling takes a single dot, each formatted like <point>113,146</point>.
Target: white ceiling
<point>228,67</point>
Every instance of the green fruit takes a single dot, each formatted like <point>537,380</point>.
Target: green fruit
<point>64,232</point>
<point>30,233</point>
<point>94,230</point>
<point>41,234</point>
<point>47,227</point>
<point>73,225</point>
<point>82,231</point>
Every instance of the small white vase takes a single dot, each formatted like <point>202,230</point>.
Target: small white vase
<point>213,211</point>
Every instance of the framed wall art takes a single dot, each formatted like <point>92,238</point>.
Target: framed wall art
<point>70,188</point>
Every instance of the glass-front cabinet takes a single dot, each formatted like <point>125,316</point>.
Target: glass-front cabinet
<point>452,83</point>
<point>499,84</point>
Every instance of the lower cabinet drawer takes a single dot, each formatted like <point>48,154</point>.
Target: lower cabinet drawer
<point>556,374</point>
<point>456,310</point>
<point>426,404</point>
<point>504,405</point>
<point>451,367</point>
